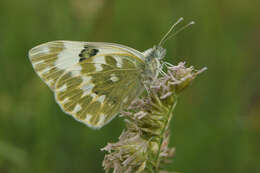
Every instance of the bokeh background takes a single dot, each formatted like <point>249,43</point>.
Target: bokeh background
<point>216,127</point>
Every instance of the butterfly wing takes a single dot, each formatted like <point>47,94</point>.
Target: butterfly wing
<point>92,82</point>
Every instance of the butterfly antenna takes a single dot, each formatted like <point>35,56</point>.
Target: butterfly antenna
<point>167,36</point>
<point>170,30</point>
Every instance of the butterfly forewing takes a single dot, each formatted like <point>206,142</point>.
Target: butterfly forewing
<point>91,81</point>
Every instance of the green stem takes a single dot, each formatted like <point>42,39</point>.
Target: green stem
<point>161,137</point>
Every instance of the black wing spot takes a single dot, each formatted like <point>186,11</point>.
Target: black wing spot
<point>81,59</point>
<point>93,52</point>
<point>82,53</point>
<point>87,53</point>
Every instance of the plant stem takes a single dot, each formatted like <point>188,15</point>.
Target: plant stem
<point>164,129</point>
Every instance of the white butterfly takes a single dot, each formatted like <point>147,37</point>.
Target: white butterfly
<point>94,81</point>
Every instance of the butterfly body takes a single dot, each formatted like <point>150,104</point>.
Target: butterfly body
<point>94,81</point>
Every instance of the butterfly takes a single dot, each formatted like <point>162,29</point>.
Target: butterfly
<point>94,81</point>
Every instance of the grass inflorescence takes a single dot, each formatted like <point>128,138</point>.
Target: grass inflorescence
<point>143,145</point>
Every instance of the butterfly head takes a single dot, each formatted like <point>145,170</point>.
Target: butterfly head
<point>154,55</point>
<point>157,52</point>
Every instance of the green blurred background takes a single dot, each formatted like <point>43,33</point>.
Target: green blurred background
<point>217,121</point>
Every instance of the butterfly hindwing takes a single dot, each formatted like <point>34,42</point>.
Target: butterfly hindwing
<point>92,81</point>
